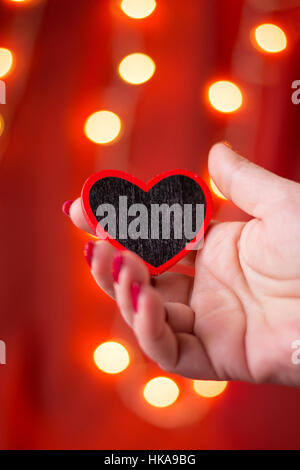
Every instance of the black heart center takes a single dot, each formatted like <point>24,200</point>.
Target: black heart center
<point>176,200</point>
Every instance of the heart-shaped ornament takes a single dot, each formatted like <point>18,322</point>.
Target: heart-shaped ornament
<point>160,221</point>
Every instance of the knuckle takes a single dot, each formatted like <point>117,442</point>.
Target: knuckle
<point>166,367</point>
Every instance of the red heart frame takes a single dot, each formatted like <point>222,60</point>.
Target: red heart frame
<point>93,223</point>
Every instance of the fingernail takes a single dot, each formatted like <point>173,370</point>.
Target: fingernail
<point>66,207</point>
<point>88,252</point>
<point>116,267</point>
<point>135,291</point>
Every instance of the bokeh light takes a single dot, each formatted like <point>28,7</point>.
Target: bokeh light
<point>1,125</point>
<point>225,96</point>
<point>209,388</point>
<point>93,237</point>
<point>137,68</point>
<point>111,357</point>
<point>161,392</point>
<point>270,38</point>
<point>138,8</point>
<point>24,2</point>
<point>102,127</point>
<point>216,190</point>
<point>6,61</point>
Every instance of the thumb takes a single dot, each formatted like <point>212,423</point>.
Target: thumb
<point>250,187</point>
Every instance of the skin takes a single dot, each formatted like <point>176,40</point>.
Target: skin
<point>237,318</point>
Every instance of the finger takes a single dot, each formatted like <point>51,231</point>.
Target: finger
<point>102,255</point>
<point>78,218</point>
<point>132,270</point>
<point>179,353</point>
<point>187,264</point>
<point>180,317</point>
<point>174,287</point>
<point>250,187</point>
<point>154,335</point>
<point>189,259</point>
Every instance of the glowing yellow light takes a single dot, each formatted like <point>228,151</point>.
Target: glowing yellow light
<point>24,1</point>
<point>1,125</point>
<point>225,96</point>
<point>216,190</point>
<point>209,388</point>
<point>94,237</point>
<point>137,68</point>
<point>111,357</point>
<point>138,8</point>
<point>102,127</point>
<point>161,392</point>
<point>270,38</point>
<point>6,61</point>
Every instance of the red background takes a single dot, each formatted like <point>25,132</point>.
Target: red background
<point>52,315</point>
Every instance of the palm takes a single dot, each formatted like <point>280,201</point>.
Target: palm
<point>244,298</point>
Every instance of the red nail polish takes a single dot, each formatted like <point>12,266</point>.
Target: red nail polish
<point>66,207</point>
<point>116,267</point>
<point>135,291</point>
<point>88,252</point>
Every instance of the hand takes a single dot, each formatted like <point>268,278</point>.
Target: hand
<point>239,315</point>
